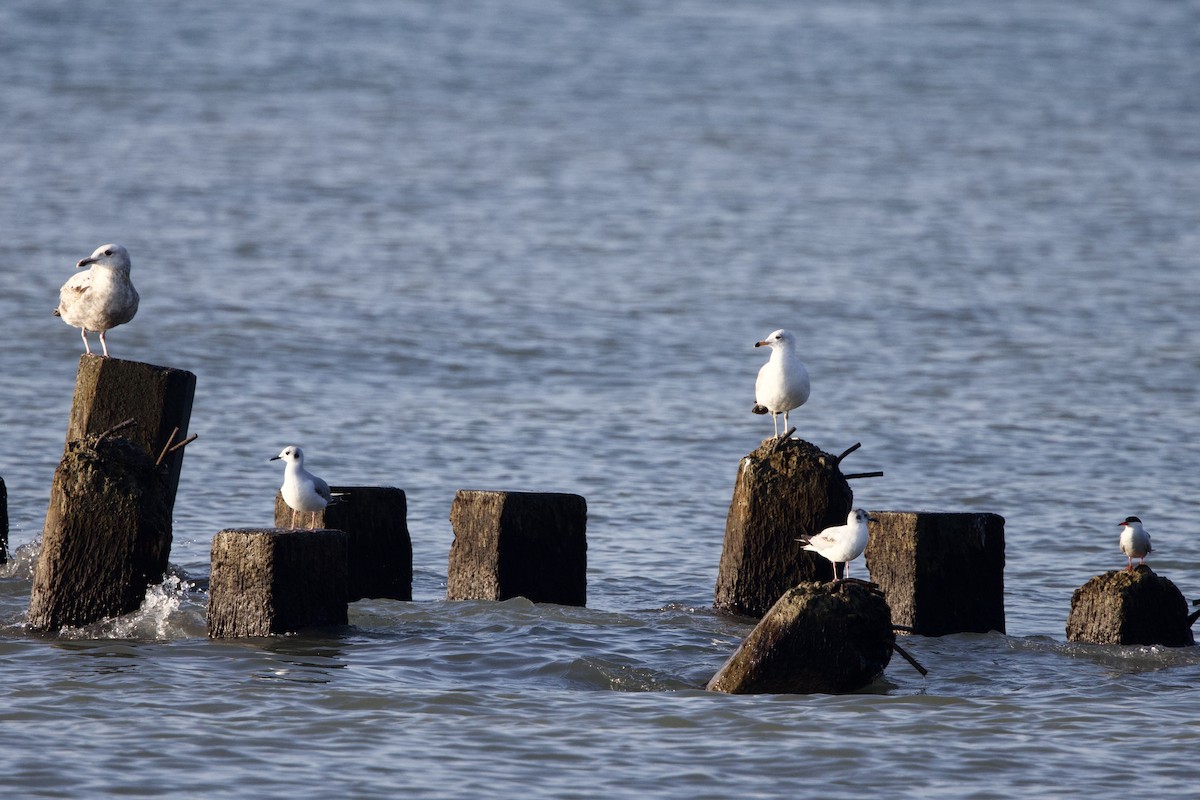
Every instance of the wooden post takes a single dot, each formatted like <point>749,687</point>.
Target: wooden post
<point>819,637</point>
<point>267,581</point>
<point>108,526</point>
<point>109,391</point>
<point>1130,607</point>
<point>375,519</point>
<point>518,544</point>
<point>784,489</point>
<point>107,535</point>
<point>941,572</point>
<point>3,523</point>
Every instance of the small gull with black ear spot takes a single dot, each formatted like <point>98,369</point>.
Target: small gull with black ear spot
<point>841,544</point>
<point>302,491</point>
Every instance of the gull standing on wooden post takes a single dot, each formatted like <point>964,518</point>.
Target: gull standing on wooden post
<point>302,490</point>
<point>841,544</point>
<point>101,298</point>
<point>1135,541</point>
<point>782,383</point>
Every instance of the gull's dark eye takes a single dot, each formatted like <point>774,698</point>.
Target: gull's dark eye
<point>108,252</point>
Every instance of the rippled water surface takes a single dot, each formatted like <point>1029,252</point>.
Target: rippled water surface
<point>529,246</point>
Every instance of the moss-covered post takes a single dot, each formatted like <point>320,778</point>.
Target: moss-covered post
<point>819,637</point>
<point>109,391</point>
<point>784,489</point>
<point>1130,607</point>
<point>107,534</point>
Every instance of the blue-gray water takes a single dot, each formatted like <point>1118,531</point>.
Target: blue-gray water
<point>529,246</point>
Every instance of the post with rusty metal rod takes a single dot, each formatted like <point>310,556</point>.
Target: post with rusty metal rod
<point>107,535</point>
<point>785,489</point>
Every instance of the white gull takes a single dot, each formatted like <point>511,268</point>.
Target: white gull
<point>302,491</point>
<point>101,298</point>
<point>841,544</point>
<point>1135,541</point>
<point>782,383</point>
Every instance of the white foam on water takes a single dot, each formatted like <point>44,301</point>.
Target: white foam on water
<point>167,612</point>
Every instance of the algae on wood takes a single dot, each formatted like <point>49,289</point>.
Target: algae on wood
<point>109,391</point>
<point>1129,607</point>
<point>107,535</point>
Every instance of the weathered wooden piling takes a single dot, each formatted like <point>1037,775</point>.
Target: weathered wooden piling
<point>1130,607</point>
<point>941,572</point>
<point>3,523</point>
<point>107,534</point>
<point>518,544</point>
<point>375,520</point>
<point>784,489</point>
<point>268,581</point>
<point>109,391</point>
<point>819,637</point>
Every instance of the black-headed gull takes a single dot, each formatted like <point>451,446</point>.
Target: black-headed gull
<point>841,544</point>
<point>782,383</point>
<point>101,298</point>
<point>302,491</point>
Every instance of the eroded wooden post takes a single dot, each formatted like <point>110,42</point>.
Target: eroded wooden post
<point>375,519</point>
<point>518,544</point>
<point>1130,607</point>
<point>941,572</point>
<point>107,534</point>
<point>109,391</point>
<point>784,489</point>
<point>265,581</point>
<point>819,637</point>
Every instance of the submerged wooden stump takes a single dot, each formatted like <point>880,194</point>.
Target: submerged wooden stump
<point>107,534</point>
<point>518,544</point>
<point>375,519</point>
<point>1129,607</point>
<point>784,489</point>
<point>819,637</point>
<point>941,572</point>
<point>267,581</point>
